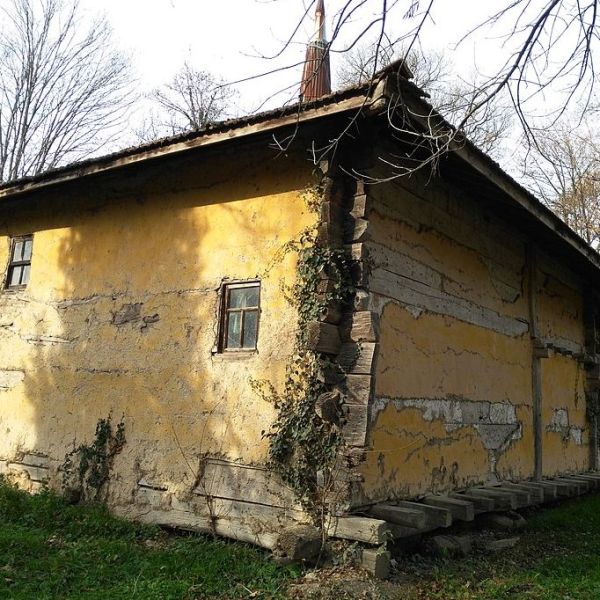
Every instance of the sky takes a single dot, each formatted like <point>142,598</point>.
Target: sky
<point>231,37</point>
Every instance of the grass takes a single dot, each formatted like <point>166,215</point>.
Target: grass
<point>49,549</point>
<point>557,558</point>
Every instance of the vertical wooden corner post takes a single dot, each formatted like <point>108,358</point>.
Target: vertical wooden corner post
<point>592,369</point>
<point>536,365</point>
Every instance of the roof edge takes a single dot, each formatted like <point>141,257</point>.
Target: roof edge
<point>351,99</point>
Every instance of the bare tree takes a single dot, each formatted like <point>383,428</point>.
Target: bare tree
<point>564,171</point>
<point>63,89</point>
<point>453,98</point>
<point>190,101</point>
<point>549,44</point>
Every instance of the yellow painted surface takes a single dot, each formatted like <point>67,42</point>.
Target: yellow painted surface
<point>463,379</point>
<point>565,441</point>
<point>409,455</point>
<point>167,246</point>
<point>436,356</point>
<point>560,312</point>
<point>453,397</point>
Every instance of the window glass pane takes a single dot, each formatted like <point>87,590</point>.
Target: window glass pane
<point>234,330</point>
<point>27,249</point>
<point>243,297</point>
<point>14,277</point>
<point>250,328</point>
<point>25,276</point>
<point>18,251</point>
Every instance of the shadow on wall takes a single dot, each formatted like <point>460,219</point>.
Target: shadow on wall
<point>121,314</point>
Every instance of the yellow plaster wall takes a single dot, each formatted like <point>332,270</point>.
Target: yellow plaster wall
<point>167,243</point>
<point>453,385</point>
<point>565,444</point>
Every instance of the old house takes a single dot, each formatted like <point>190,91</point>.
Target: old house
<point>163,307</point>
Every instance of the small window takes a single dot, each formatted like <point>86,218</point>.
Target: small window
<point>19,266</point>
<point>239,319</point>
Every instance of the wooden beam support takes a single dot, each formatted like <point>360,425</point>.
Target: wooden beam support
<point>523,496</point>
<point>593,482</point>
<point>461,510</point>
<point>588,477</point>
<point>503,500</point>
<point>360,529</point>
<point>480,503</point>
<point>536,366</point>
<point>563,489</point>
<point>580,487</point>
<point>436,516</point>
<point>536,493</point>
<point>406,517</point>
<point>324,337</point>
<point>549,489</point>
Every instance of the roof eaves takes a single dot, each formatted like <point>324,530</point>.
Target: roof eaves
<point>493,172</point>
<point>348,99</point>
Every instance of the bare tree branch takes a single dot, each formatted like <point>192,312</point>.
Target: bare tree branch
<point>189,102</point>
<point>64,91</point>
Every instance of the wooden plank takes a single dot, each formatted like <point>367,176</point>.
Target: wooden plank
<point>581,487</point>
<point>360,206</point>
<point>480,503</point>
<point>401,531</point>
<point>595,481</point>
<point>356,229</point>
<point>523,496</point>
<point>502,499</point>
<point>358,388</point>
<point>189,521</point>
<point>414,293</point>
<point>563,490</point>
<point>376,561</point>
<point>323,337</point>
<point>363,327</point>
<point>360,529</point>
<point>358,358</point>
<point>354,428</point>
<point>408,517</point>
<point>549,490</point>
<point>461,510</point>
<point>536,493</point>
<point>233,481</point>
<point>436,515</point>
<point>39,474</point>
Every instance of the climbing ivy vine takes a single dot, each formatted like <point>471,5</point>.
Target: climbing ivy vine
<point>302,444</point>
<point>86,469</point>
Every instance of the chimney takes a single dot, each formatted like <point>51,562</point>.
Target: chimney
<point>316,78</point>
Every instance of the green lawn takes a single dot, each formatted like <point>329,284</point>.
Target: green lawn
<point>51,550</point>
<point>558,557</point>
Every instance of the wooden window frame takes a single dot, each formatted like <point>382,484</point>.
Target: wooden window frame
<point>17,263</point>
<point>225,311</point>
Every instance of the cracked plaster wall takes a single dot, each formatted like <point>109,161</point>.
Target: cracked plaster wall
<point>120,317</point>
<point>453,393</point>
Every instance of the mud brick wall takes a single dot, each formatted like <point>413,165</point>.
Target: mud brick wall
<point>461,370</point>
